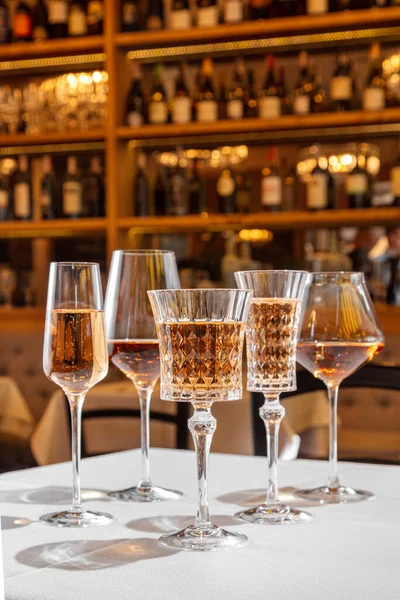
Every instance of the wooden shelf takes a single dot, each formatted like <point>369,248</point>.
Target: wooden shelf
<point>293,220</point>
<point>60,47</point>
<point>67,137</point>
<point>244,127</point>
<point>256,29</point>
<point>52,228</point>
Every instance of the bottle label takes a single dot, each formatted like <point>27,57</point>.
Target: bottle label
<point>341,87</point>
<point>40,33</point>
<point>207,110</point>
<point>269,107</point>
<point>182,110</point>
<point>271,191</point>
<point>134,119</point>
<point>234,109</point>
<point>207,16</point>
<point>158,112</point>
<point>373,98</point>
<point>317,191</point>
<point>95,12</point>
<point>317,7</point>
<point>181,19</point>
<point>356,184</point>
<point>301,105</point>
<point>4,198</point>
<point>395,179</point>
<point>58,12</point>
<point>72,198</point>
<point>77,24</point>
<point>22,25</point>
<point>225,186</point>
<point>22,200</point>
<point>129,14</point>
<point>233,11</point>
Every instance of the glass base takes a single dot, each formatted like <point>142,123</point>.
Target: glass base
<point>279,514</point>
<point>146,494</point>
<point>203,540</point>
<point>72,518</point>
<point>340,495</point>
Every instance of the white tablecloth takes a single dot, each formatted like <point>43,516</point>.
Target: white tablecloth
<point>350,552</point>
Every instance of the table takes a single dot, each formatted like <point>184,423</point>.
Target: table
<point>347,552</point>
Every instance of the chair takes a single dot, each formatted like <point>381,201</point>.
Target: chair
<point>376,376</point>
<point>180,419</point>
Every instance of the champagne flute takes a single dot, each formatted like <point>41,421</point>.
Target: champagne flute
<point>133,344</point>
<point>75,358</point>
<point>271,362</point>
<point>340,333</point>
<point>201,334</point>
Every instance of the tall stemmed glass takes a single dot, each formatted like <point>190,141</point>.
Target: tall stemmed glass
<point>271,363</point>
<point>133,344</point>
<point>75,358</point>
<point>340,332</point>
<point>201,334</point>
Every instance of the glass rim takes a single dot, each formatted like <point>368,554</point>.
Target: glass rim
<point>198,290</point>
<point>73,264</point>
<point>143,252</point>
<point>271,271</point>
<point>349,275</point>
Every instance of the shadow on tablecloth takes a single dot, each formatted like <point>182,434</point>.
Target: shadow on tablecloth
<point>51,494</point>
<point>166,524</point>
<point>249,498</point>
<point>92,555</point>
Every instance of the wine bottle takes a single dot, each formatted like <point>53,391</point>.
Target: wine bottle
<point>226,191</point>
<point>72,191</point>
<point>271,183</point>
<point>357,184</point>
<point>235,95</point>
<point>207,13</point>
<point>319,186</point>
<point>342,85</point>
<point>48,190</point>
<point>250,97</point>
<point>269,102</point>
<point>160,193</point>
<point>40,22</point>
<point>288,186</point>
<point>395,180</point>
<point>182,102</point>
<point>58,18</point>
<point>130,20</point>
<point>94,190</point>
<point>135,102</point>
<point>22,191</point>
<point>5,32</point>
<point>317,7</point>
<point>318,99</point>
<point>374,91</point>
<point>222,99</point>
<point>304,87</point>
<point>244,186</point>
<point>18,295</point>
<point>158,102</point>
<point>196,190</point>
<point>4,198</point>
<point>290,8</point>
<point>23,22</point>
<point>283,94</point>
<point>207,102</point>
<point>142,188</point>
<point>77,22</point>
<point>233,11</point>
<point>341,5</point>
<point>259,9</point>
<point>181,16</point>
<point>155,17</point>
<point>178,189</point>
<point>95,17</point>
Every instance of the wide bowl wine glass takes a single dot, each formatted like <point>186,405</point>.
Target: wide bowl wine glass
<point>201,334</point>
<point>75,358</point>
<point>271,367</point>
<point>133,345</point>
<point>340,332</point>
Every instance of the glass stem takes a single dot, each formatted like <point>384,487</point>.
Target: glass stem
<point>272,413</point>
<point>333,479</point>
<point>202,426</point>
<point>75,405</point>
<point>144,399</point>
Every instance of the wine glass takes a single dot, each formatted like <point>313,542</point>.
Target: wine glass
<point>133,345</point>
<point>340,332</point>
<point>75,358</point>
<point>201,334</point>
<point>271,364</point>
